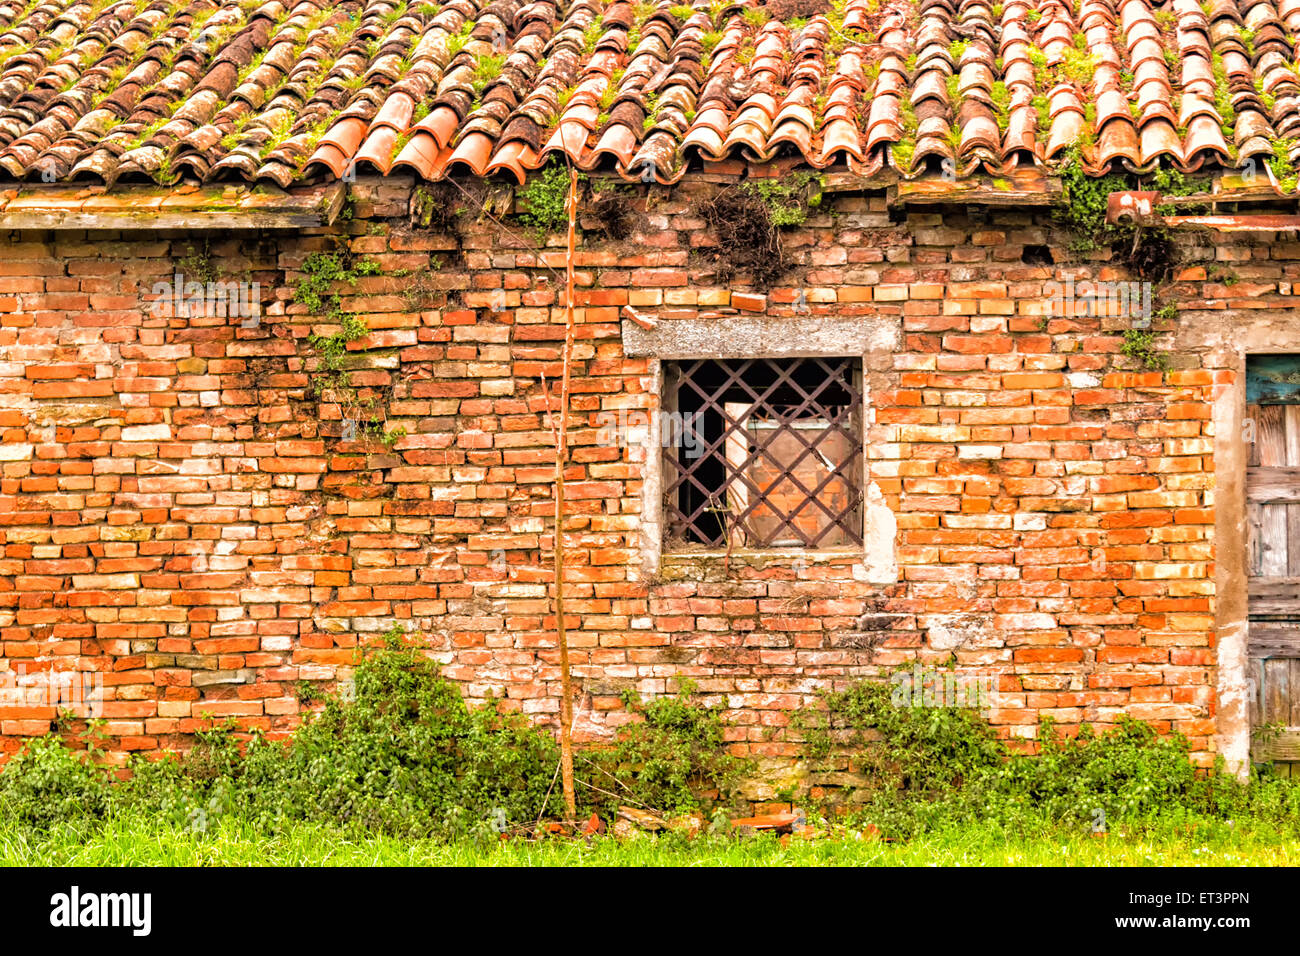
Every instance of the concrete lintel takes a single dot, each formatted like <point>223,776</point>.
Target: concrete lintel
<point>747,336</point>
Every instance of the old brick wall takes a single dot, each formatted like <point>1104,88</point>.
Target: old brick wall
<point>177,513</point>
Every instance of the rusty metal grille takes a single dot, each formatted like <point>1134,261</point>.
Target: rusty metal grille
<point>768,453</point>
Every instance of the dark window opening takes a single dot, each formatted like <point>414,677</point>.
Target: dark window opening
<point>766,453</point>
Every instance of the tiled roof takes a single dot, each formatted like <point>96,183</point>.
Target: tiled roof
<point>120,90</point>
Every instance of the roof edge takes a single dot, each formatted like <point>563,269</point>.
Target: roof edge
<point>186,208</point>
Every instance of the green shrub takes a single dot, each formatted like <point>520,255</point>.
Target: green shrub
<point>920,750</point>
<point>937,766</point>
<point>546,196</point>
<point>47,783</point>
<point>403,755</point>
<point>674,760</point>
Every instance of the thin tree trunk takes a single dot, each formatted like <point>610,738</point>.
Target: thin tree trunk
<point>561,458</point>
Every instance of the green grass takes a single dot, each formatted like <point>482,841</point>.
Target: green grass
<point>140,841</point>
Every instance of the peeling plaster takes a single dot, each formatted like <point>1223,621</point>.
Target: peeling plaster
<point>881,536</point>
<point>947,632</point>
<point>1225,340</point>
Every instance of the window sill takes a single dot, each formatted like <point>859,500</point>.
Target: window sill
<point>767,555</point>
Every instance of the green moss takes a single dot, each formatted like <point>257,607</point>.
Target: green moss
<point>487,68</point>
<point>1281,166</point>
<point>1222,95</point>
<point>1140,344</point>
<point>591,36</point>
<point>148,133</point>
<point>1084,207</point>
<point>1079,66</point>
<point>788,199</point>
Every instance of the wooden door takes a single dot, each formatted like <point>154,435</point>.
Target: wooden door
<point>1273,561</point>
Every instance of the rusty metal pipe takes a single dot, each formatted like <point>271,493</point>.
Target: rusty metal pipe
<point>1139,208</point>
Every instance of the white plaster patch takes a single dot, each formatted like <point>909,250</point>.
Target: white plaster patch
<point>946,632</point>
<point>146,433</point>
<point>880,536</point>
<point>979,452</point>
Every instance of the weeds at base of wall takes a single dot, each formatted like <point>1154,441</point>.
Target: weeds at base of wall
<point>936,767</point>
<point>405,756</point>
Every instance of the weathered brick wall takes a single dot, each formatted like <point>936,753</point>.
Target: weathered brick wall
<point>177,513</point>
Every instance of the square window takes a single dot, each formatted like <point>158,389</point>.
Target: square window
<point>765,453</point>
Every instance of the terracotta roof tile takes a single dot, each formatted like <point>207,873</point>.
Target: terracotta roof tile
<point>282,90</point>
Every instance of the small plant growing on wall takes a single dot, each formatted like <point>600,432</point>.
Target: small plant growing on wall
<point>1140,344</point>
<point>331,378</point>
<point>543,200</point>
<point>197,263</point>
<point>1150,252</point>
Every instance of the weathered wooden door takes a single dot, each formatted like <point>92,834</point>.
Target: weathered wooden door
<point>1273,560</point>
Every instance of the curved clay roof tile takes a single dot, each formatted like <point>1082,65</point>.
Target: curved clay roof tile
<point>812,93</point>
<point>1204,135</point>
<point>1117,140</point>
<point>1022,131</point>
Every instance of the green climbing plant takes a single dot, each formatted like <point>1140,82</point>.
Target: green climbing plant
<point>322,272</point>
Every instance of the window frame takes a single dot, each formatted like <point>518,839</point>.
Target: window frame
<point>729,405</point>
<point>685,333</point>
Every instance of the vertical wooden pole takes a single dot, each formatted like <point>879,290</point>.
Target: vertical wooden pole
<point>561,458</point>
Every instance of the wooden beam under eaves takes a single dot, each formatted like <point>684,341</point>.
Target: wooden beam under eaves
<point>183,208</point>
<point>1028,186</point>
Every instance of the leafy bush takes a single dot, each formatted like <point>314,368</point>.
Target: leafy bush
<point>404,756</point>
<point>673,760</point>
<point>546,196</point>
<point>1130,773</point>
<point>917,750</point>
<point>48,782</point>
<point>937,766</point>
